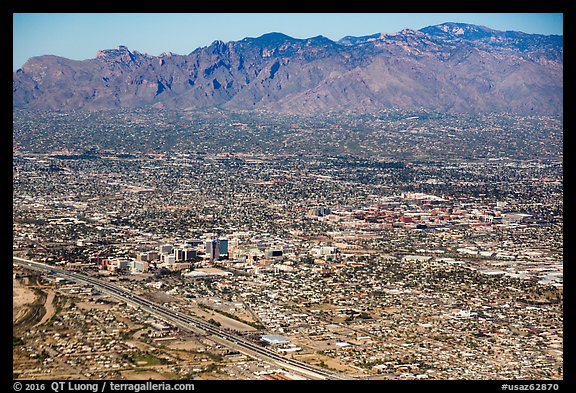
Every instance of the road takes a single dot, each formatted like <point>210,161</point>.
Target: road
<point>188,322</point>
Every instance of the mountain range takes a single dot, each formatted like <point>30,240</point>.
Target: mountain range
<point>451,67</point>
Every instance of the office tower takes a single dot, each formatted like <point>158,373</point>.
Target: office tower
<point>166,249</point>
<point>223,244</point>
<point>213,249</point>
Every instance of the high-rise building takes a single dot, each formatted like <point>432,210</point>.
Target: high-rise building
<point>223,247</point>
<point>216,248</point>
<point>213,249</point>
<point>140,266</point>
<point>189,254</point>
<point>170,259</point>
<point>192,243</point>
<point>166,249</point>
<point>147,256</point>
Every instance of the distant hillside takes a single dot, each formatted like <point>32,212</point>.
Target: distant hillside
<point>450,67</point>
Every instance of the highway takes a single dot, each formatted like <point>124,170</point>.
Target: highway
<point>194,324</point>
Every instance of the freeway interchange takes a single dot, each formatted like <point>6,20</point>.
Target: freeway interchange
<point>187,322</point>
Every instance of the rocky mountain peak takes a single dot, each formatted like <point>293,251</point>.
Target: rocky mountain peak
<point>268,40</point>
<point>453,30</point>
<point>119,54</point>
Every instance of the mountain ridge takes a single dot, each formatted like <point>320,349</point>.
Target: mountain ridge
<point>451,67</point>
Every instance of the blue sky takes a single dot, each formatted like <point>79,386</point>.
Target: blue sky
<point>79,36</point>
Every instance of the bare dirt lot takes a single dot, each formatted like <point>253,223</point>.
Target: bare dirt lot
<point>22,299</point>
